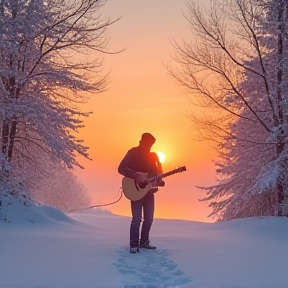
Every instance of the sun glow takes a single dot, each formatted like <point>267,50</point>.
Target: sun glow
<point>161,156</point>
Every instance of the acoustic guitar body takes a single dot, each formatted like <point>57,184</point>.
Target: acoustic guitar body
<point>133,191</point>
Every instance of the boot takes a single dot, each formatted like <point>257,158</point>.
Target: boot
<point>146,244</point>
<point>134,249</point>
<point>134,246</point>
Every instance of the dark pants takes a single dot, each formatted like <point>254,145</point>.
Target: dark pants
<point>146,204</point>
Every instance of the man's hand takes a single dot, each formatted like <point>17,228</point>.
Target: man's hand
<point>161,183</point>
<point>140,178</point>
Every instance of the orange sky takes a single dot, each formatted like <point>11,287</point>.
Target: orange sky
<point>142,97</point>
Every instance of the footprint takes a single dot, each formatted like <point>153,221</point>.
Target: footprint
<point>149,269</point>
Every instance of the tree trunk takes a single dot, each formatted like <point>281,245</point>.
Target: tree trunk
<point>9,127</point>
<point>11,139</point>
<point>282,9</point>
<point>4,148</point>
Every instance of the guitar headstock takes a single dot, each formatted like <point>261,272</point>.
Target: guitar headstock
<point>177,170</point>
<point>180,169</point>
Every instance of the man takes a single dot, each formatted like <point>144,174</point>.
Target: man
<point>140,159</point>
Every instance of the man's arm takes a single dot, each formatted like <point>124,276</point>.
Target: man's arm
<point>124,166</point>
<point>159,166</point>
<point>125,170</point>
<point>155,162</point>
<point>159,170</point>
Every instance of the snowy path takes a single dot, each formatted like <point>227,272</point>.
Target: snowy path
<point>44,248</point>
<point>149,269</point>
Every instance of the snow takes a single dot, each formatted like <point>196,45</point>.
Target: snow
<point>43,247</point>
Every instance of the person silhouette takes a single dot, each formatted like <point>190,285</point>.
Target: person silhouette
<point>141,159</point>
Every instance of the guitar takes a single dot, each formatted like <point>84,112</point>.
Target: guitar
<point>135,191</point>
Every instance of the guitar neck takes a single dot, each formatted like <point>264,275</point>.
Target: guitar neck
<point>163,175</point>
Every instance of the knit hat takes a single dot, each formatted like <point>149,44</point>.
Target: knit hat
<point>147,137</point>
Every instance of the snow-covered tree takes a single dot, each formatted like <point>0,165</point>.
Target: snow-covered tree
<point>43,73</point>
<point>46,70</point>
<point>48,180</point>
<point>60,189</point>
<point>236,68</point>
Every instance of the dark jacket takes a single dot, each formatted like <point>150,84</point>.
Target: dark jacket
<point>136,160</point>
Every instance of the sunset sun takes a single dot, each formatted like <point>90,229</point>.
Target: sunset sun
<point>161,156</point>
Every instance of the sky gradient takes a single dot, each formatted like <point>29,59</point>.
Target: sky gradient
<point>142,97</point>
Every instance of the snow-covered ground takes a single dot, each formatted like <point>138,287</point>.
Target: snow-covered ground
<point>44,248</point>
